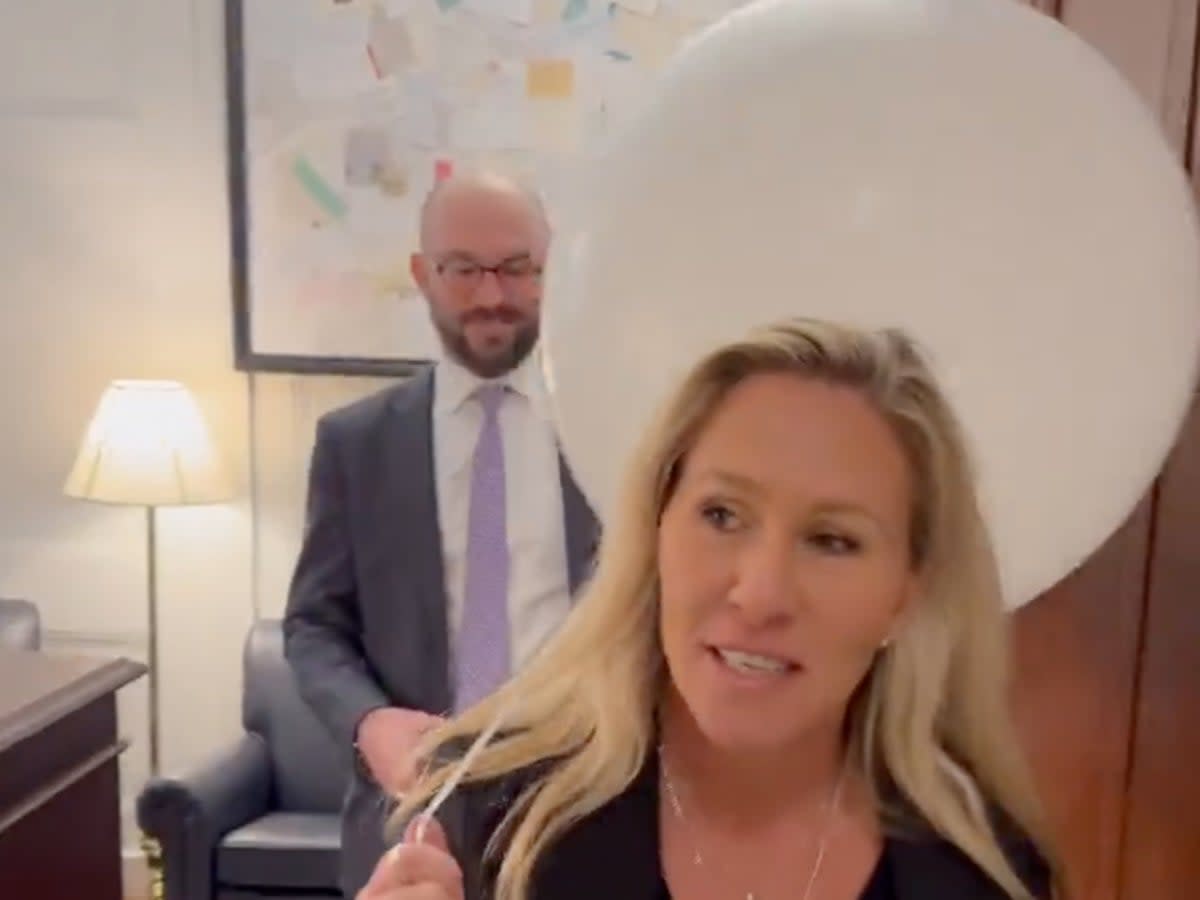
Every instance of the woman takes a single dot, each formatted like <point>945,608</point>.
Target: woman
<point>786,679</point>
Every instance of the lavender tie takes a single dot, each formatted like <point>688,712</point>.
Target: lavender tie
<point>482,655</point>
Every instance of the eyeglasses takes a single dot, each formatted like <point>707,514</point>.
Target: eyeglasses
<point>466,274</point>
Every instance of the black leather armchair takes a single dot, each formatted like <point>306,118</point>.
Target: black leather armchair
<point>20,625</point>
<point>262,818</point>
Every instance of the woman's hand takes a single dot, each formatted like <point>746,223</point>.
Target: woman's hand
<point>412,871</point>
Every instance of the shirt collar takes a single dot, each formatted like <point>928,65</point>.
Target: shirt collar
<point>455,384</point>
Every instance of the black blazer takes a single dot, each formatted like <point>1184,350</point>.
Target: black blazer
<point>613,854</point>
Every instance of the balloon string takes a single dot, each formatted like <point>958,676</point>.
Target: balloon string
<point>460,772</point>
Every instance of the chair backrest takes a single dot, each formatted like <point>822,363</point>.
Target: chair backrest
<point>310,774</point>
<point>20,625</point>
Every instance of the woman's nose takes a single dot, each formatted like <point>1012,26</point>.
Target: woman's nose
<point>765,588</point>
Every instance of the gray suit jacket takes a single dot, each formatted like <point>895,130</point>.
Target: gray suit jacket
<point>366,621</point>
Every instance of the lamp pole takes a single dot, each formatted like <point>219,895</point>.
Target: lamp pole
<point>152,649</point>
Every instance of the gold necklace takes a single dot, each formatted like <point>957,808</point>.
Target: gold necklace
<point>698,860</point>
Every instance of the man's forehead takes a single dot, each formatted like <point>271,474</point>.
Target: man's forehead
<point>499,237</point>
<point>482,214</point>
<point>475,210</point>
<point>501,240</point>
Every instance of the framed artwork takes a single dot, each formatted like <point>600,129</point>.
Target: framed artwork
<point>344,113</point>
<point>322,221</point>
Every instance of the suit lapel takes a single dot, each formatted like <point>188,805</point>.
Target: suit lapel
<point>409,491</point>
<point>580,527</point>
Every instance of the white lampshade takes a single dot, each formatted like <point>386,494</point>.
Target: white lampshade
<point>148,445</point>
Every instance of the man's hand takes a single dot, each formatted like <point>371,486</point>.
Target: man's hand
<point>386,740</point>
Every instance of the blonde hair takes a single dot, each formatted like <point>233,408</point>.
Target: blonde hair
<point>930,724</point>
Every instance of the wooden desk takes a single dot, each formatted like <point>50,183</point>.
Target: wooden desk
<point>60,818</point>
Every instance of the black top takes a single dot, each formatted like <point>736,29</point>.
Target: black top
<point>614,851</point>
<point>880,887</point>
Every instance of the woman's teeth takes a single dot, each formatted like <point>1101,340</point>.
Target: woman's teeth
<point>753,663</point>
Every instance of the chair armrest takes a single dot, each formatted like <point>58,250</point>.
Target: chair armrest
<point>20,625</point>
<point>189,815</point>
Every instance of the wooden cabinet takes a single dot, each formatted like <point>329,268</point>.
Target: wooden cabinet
<point>60,828</point>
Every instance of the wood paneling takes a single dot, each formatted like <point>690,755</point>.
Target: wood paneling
<point>1161,859</point>
<point>1076,664</point>
<point>1192,148</point>
<point>1049,7</point>
<point>1177,107</point>
<point>1147,42</point>
<point>1108,663</point>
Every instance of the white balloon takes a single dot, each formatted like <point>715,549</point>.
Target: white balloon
<point>968,170</point>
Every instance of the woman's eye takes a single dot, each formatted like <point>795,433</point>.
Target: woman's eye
<point>721,517</point>
<point>837,544</point>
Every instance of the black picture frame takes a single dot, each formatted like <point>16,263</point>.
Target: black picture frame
<point>246,357</point>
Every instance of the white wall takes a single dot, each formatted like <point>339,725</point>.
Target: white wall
<point>286,409</point>
<point>114,251</point>
<point>113,246</point>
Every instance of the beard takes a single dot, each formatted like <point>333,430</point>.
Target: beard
<point>496,361</point>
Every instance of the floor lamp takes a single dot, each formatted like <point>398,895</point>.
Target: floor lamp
<point>148,445</point>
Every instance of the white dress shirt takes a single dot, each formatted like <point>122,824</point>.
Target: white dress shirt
<point>538,590</point>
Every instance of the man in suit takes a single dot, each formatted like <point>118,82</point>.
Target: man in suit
<point>444,536</point>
